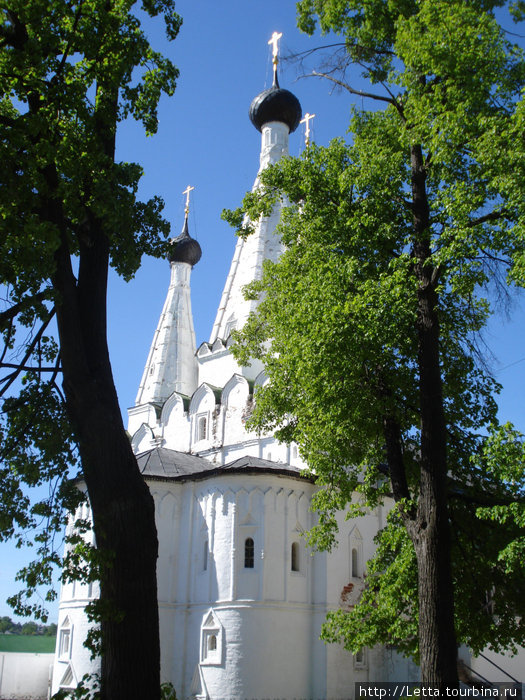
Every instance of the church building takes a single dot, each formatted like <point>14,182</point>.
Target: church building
<point>241,598</point>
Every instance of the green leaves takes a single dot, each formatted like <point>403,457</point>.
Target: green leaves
<point>69,73</point>
<point>426,202</point>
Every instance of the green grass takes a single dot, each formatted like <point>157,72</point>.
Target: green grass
<point>27,643</point>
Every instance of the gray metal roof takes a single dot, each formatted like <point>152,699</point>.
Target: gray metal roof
<point>161,463</point>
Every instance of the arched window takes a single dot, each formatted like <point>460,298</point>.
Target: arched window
<point>355,563</point>
<point>202,428</point>
<point>295,556</point>
<point>212,642</point>
<point>249,553</point>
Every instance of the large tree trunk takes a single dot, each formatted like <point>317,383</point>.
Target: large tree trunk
<point>430,530</point>
<point>122,506</point>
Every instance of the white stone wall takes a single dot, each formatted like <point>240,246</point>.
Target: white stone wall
<point>25,676</point>
<point>268,617</point>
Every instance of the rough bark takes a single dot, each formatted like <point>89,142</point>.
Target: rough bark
<point>122,506</point>
<point>430,530</point>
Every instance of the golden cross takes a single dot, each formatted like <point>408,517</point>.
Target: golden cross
<point>306,120</point>
<point>187,193</point>
<point>274,41</point>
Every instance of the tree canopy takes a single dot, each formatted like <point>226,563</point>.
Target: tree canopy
<point>368,324</point>
<point>70,72</point>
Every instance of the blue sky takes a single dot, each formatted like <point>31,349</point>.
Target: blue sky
<point>206,140</point>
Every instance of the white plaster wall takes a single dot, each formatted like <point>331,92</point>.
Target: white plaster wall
<point>78,658</point>
<point>254,605</point>
<point>217,369</point>
<point>488,667</point>
<point>256,668</point>
<point>137,415</point>
<point>25,676</point>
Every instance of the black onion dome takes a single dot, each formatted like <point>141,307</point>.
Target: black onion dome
<point>275,105</point>
<point>184,248</point>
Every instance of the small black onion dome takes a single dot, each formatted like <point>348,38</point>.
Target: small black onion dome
<point>184,248</point>
<point>275,105</point>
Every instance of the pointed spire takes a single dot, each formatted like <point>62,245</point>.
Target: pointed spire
<point>171,364</point>
<point>275,113</point>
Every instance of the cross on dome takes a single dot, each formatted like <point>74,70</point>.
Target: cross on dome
<point>275,44</point>
<point>187,191</point>
<point>306,120</point>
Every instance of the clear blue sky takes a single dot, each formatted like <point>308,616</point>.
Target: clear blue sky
<point>205,139</point>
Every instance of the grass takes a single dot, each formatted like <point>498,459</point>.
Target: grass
<point>27,643</point>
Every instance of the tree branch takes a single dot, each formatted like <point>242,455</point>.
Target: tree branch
<point>361,93</point>
<point>10,379</point>
<point>9,314</point>
<point>493,216</point>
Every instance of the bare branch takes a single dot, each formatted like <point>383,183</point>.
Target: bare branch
<point>493,216</point>
<point>308,52</point>
<point>361,93</point>
<point>11,378</point>
<point>26,368</point>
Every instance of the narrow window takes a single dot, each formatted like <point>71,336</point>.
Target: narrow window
<point>65,638</point>
<point>355,567</point>
<point>212,642</point>
<point>295,556</point>
<point>249,554</point>
<point>359,658</point>
<point>205,556</point>
<point>64,646</point>
<point>202,428</point>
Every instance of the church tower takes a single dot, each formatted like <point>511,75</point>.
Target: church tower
<point>171,364</point>
<point>276,113</point>
<point>241,601</point>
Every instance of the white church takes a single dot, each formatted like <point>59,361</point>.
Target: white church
<point>241,599</point>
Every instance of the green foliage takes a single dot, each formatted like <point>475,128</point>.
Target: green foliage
<point>69,73</point>
<point>338,325</point>
<point>504,458</point>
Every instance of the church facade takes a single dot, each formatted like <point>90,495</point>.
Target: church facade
<point>241,599</point>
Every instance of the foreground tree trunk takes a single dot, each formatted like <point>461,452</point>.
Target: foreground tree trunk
<point>121,503</point>
<point>122,506</point>
<point>430,530</point>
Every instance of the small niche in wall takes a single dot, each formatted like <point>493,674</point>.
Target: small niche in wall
<point>211,640</point>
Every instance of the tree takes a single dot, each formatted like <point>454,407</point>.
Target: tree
<point>367,325</point>
<point>29,628</point>
<point>69,73</point>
